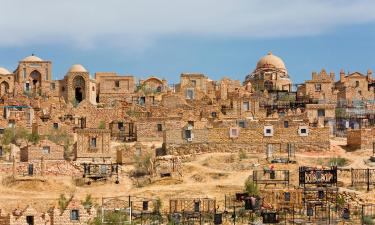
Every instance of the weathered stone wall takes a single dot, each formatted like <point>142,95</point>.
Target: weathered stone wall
<point>250,139</point>
<point>361,139</point>
<point>85,151</point>
<point>85,215</point>
<point>35,152</point>
<point>51,168</point>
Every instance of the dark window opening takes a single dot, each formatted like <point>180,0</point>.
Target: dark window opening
<point>30,220</point>
<point>187,134</point>
<point>286,124</point>
<point>357,83</point>
<point>74,214</point>
<point>78,94</point>
<point>213,114</point>
<point>142,100</point>
<point>160,127</point>
<point>117,83</point>
<point>120,125</point>
<point>321,112</point>
<point>242,124</point>
<point>93,142</point>
<point>303,131</point>
<point>55,125</point>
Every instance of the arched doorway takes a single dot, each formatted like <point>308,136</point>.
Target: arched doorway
<point>79,88</point>
<point>268,85</point>
<point>36,77</point>
<point>4,88</point>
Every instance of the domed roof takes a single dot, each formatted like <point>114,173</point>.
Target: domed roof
<point>77,68</point>
<point>271,61</point>
<point>32,58</point>
<point>4,71</point>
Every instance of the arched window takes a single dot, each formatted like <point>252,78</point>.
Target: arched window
<point>4,88</point>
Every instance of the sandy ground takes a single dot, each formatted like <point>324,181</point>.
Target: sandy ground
<point>207,175</point>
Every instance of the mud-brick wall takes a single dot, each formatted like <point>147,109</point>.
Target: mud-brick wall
<point>361,139</point>
<point>249,140</point>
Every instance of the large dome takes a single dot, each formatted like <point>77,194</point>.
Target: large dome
<point>4,71</point>
<point>271,61</point>
<point>77,68</point>
<point>32,58</point>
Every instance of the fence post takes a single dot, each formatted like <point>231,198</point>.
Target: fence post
<point>368,179</point>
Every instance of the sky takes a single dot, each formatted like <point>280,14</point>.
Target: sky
<point>165,38</point>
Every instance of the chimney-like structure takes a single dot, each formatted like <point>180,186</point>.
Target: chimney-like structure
<point>342,75</point>
<point>369,74</point>
<point>332,76</point>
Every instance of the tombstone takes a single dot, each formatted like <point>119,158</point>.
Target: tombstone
<point>218,218</point>
<point>30,170</point>
<point>176,218</point>
<point>270,217</point>
<point>310,211</point>
<point>287,196</point>
<point>346,214</point>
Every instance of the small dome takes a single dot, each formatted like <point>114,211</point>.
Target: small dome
<point>77,68</point>
<point>32,58</point>
<point>271,61</point>
<point>4,71</point>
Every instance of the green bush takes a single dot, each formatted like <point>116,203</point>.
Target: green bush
<point>88,201</point>
<point>101,125</point>
<point>367,220</point>
<point>251,188</point>
<point>242,154</point>
<point>338,161</point>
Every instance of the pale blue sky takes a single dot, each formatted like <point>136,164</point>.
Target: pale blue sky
<point>167,37</point>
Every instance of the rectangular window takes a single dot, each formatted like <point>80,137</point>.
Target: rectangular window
<point>120,125</point>
<point>286,124</point>
<point>357,83</point>
<point>246,106</point>
<point>74,215</point>
<point>187,134</point>
<point>242,124</point>
<point>142,100</point>
<point>1,151</point>
<point>318,87</point>
<point>30,220</point>
<point>11,123</point>
<point>321,112</point>
<point>55,125</point>
<point>160,127</point>
<point>46,73</point>
<point>53,86</point>
<point>268,131</point>
<point>189,94</point>
<point>27,87</point>
<point>117,83</point>
<point>213,114</point>
<point>46,149</point>
<point>233,132</point>
<point>24,73</point>
<point>194,83</point>
<point>93,142</point>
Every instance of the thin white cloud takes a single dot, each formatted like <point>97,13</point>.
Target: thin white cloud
<point>86,23</point>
